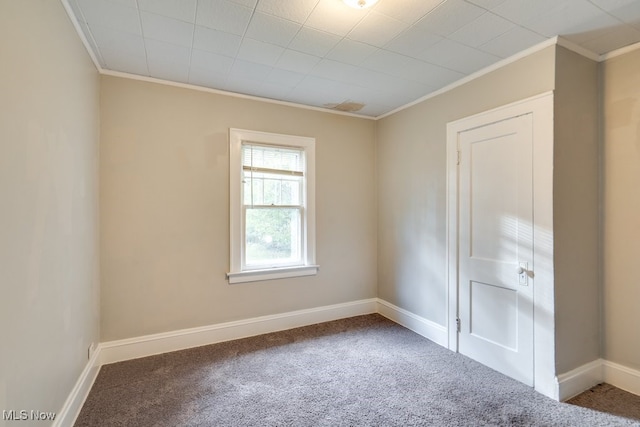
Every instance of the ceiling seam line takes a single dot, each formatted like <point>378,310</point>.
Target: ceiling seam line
<point>193,39</point>
<point>144,43</point>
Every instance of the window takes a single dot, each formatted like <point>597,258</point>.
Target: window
<point>272,215</point>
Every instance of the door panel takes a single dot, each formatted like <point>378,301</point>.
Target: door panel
<point>497,320</point>
<point>495,239</point>
<point>487,197</point>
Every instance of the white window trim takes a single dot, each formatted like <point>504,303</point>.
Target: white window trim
<point>236,273</point>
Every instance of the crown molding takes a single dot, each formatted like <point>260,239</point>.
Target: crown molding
<point>618,52</point>
<point>540,46</point>
<point>148,79</point>
<point>83,38</point>
<point>567,44</point>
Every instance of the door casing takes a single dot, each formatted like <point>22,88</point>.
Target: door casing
<point>541,108</point>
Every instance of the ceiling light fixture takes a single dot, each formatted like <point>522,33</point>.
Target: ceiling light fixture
<point>360,4</point>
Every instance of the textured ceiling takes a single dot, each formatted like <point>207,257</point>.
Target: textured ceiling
<point>322,53</point>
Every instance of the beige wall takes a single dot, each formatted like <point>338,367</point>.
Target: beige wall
<point>49,280</point>
<point>165,209</point>
<point>576,211</point>
<point>621,208</point>
<point>412,181</point>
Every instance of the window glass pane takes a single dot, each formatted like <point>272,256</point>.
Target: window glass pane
<point>291,190</point>
<point>272,236</point>
<point>253,189</point>
<point>271,189</point>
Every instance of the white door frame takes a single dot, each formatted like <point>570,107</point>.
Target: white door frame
<point>541,106</point>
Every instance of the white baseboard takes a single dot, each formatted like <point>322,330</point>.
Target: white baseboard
<point>580,379</point>
<point>133,348</point>
<point>428,329</point>
<point>622,377</point>
<point>584,377</point>
<point>66,417</point>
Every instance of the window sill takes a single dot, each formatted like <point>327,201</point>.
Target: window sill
<point>272,273</point>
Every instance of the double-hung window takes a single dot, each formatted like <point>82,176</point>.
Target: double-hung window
<point>272,214</point>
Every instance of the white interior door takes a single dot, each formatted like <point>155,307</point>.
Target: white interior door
<point>495,229</point>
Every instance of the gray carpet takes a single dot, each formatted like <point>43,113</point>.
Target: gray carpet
<point>363,371</point>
